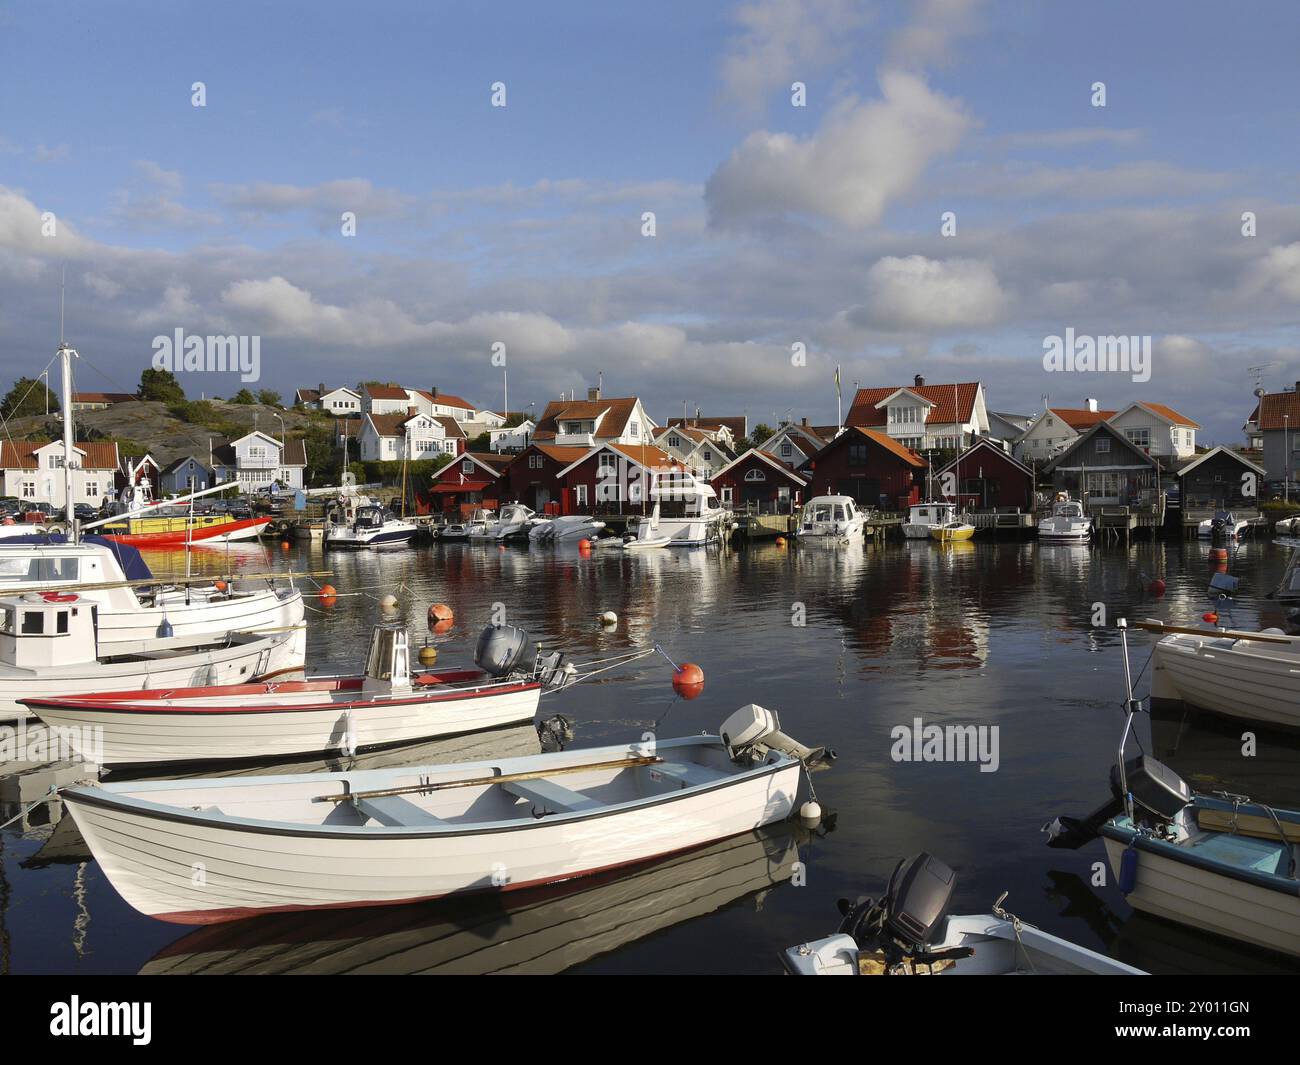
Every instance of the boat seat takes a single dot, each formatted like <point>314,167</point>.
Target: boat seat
<point>686,774</point>
<point>395,812</point>
<point>1245,852</point>
<point>549,796</point>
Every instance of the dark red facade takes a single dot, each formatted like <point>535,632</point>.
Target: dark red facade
<point>532,478</point>
<point>867,465</point>
<point>755,482</point>
<point>462,486</point>
<point>989,478</point>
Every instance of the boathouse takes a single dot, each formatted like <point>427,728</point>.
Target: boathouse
<point>1220,479</point>
<point>469,481</point>
<point>759,482</point>
<point>612,479</point>
<point>1104,468</point>
<point>987,478</point>
<point>869,465</point>
<point>532,476</point>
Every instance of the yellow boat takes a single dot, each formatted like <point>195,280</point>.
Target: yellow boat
<point>952,531</point>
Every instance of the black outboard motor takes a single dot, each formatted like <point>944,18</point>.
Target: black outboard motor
<point>1157,791</point>
<point>1220,524</point>
<point>505,649</point>
<point>908,916</point>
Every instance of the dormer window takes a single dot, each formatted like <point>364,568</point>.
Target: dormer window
<point>674,441</point>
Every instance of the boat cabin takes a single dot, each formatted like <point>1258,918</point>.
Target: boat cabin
<point>828,510</point>
<point>679,493</point>
<point>370,517</point>
<point>42,630</point>
<point>1068,508</point>
<point>388,664</point>
<point>932,513</point>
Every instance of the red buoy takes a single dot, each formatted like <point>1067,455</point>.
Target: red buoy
<point>1219,554</point>
<point>328,595</point>
<point>220,585</point>
<point>688,691</point>
<point>440,612</point>
<point>1156,587</point>
<point>441,628</point>
<point>1210,616</point>
<point>584,547</point>
<point>687,674</point>
<point>780,541</point>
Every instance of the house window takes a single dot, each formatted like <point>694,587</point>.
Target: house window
<point>257,452</point>
<point>1103,445</point>
<point>91,489</point>
<point>29,489</point>
<point>534,462</point>
<point>1140,437</point>
<point>752,476</point>
<point>857,454</point>
<point>708,456</point>
<point>636,429</point>
<point>467,466</point>
<point>674,441</point>
<point>580,494</point>
<point>787,449</point>
<point>726,495</point>
<point>608,460</point>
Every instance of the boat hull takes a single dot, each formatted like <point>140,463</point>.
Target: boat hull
<point>200,868</point>
<point>220,729</point>
<point>1225,677</point>
<point>1226,906</point>
<point>348,540</point>
<point>227,532</point>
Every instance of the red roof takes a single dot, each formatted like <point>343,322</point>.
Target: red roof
<point>386,392</point>
<point>1170,413</point>
<point>617,412</point>
<point>1279,410</point>
<point>21,454</point>
<point>1081,418</point>
<point>892,446</point>
<point>865,412</point>
<point>102,397</point>
<point>446,399</point>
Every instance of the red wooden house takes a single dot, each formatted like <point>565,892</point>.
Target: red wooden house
<point>988,478</point>
<point>612,478</point>
<point>758,480</point>
<point>868,465</point>
<point>469,481</point>
<point>532,477</point>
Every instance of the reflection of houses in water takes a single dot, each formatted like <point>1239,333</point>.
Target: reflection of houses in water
<point>537,931</point>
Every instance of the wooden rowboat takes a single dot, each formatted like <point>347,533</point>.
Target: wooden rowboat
<point>203,851</point>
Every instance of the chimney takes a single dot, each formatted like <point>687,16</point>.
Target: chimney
<point>803,421</point>
<point>410,412</point>
<point>434,391</point>
<point>920,381</point>
<point>322,388</point>
<point>1092,405</point>
<point>593,394</point>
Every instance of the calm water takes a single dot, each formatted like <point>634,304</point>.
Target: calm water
<point>984,634</point>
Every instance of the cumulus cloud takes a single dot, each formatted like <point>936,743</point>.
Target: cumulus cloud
<point>930,34</point>
<point>1276,274</point>
<point>928,294</point>
<point>332,197</point>
<point>863,157</point>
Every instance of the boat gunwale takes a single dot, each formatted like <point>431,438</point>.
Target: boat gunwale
<point>100,796</point>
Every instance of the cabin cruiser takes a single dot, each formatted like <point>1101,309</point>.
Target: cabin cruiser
<point>1223,526</point>
<point>922,517</point>
<point>49,646</point>
<point>686,512</point>
<point>1068,523</point>
<point>130,605</point>
<point>568,527</point>
<point>837,517</point>
<point>514,523</point>
<point>371,526</point>
<point>909,932</point>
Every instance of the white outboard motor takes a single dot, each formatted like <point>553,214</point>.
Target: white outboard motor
<point>753,731</point>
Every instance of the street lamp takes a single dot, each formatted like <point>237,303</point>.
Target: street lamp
<point>46,374</point>
<point>1286,458</point>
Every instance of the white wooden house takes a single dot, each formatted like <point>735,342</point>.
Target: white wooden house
<point>411,435</point>
<point>257,460</point>
<point>34,472</point>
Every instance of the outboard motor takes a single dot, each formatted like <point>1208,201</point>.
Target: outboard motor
<point>505,649</point>
<point>1158,794</point>
<point>753,731</point>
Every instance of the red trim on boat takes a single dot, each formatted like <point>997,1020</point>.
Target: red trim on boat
<point>192,536</point>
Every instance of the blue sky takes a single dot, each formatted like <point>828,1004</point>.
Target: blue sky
<point>775,224</point>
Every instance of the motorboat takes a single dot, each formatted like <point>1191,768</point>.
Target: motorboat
<point>568,527</point>
<point>834,517</point>
<point>131,605</point>
<point>1221,863</point>
<point>515,523</point>
<point>268,844</point>
<point>387,705</point>
<point>48,647</point>
<point>371,526</point>
<point>910,932</point>
<point>1224,525</point>
<point>922,517</point>
<point>685,510</point>
<point>952,532</point>
<point>1067,524</point>
<point>1288,588</point>
<point>1250,675</point>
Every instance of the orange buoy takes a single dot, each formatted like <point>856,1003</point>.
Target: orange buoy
<point>688,673</point>
<point>285,545</point>
<point>441,628</point>
<point>328,591</point>
<point>1210,616</point>
<point>780,541</point>
<point>440,612</point>
<point>688,691</point>
<point>584,547</point>
<point>220,585</point>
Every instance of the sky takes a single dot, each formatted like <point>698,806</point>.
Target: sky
<point>786,240</point>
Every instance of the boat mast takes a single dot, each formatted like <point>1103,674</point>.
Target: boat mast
<point>66,354</point>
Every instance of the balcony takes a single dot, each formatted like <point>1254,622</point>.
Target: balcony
<point>575,440</point>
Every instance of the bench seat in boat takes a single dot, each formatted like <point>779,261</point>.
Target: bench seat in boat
<point>395,812</point>
<point>686,774</point>
<point>1245,852</point>
<point>551,797</point>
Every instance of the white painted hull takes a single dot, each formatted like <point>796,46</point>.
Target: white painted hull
<point>137,737</point>
<point>1234,678</point>
<point>236,664</point>
<point>391,534</point>
<point>260,611</point>
<point>1206,530</point>
<point>913,531</point>
<point>1064,530</point>
<point>251,532</point>
<point>200,869</point>
<point>1211,902</point>
<point>850,531</point>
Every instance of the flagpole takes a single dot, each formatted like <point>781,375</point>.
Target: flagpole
<point>839,401</point>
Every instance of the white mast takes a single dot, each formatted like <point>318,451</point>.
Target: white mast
<point>66,355</point>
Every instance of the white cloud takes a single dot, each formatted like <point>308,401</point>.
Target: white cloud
<point>864,156</point>
<point>928,37</point>
<point>333,197</point>
<point>1276,274</point>
<point>920,293</point>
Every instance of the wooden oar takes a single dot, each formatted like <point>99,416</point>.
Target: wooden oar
<point>442,785</point>
<point>1227,634</point>
<point>95,587</point>
<point>1246,824</point>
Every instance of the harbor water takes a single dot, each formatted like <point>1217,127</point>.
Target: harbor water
<point>850,645</point>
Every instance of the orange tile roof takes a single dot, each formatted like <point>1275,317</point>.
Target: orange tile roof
<point>891,445</point>
<point>386,392</point>
<point>645,454</point>
<point>1279,410</point>
<point>1171,414</point>
<point>21,454</point>
<point>446,399</point>
<point>865,412</point>
<point>1081,418</point>
<point>619,410</point>
<point>565,455</point>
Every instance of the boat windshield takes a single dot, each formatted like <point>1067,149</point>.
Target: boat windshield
<point>821,512</point>
<point>370,517</point>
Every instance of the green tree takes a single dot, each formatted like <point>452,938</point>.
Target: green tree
<point>324,460</point>
<point>160,385</point>
<point>28,396</point>
<point>482,442</point>
<point>244,397</point>
<point>269,398</point>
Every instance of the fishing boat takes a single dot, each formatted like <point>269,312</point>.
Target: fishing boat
<point>386,706</point>
<point>268,844</point>
<point>1224,525</point>
<point>909,932</point>
<point>833,517</point>
<point>568,527</point>
<point>1067,524</point>
<point>951,532</point>
<point>132,606</point>
<point>922,517</point>
<point>48,647</point>
<point>1250,675</point>
<point>371,526</point>
<point>1221,863</point>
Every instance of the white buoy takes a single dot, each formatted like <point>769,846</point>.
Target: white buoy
<point>810,813</point>
<point>609,618</point>
<point>388,603</point>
